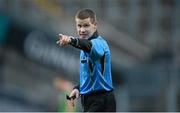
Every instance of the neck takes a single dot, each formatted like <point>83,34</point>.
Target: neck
<point>95,35</point>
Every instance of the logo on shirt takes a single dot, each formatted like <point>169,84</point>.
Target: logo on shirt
<point>83,59</point>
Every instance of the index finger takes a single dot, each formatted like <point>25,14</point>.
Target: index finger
<point>60,36</point>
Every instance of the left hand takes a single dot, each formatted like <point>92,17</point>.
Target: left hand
<point>63,40</point>
<point>75,92</point>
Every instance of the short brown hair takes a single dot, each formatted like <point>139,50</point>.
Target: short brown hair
<point>86,13</point>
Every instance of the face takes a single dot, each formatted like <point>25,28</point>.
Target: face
<point>85,28</point>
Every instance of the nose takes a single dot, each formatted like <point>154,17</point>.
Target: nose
<point>82,29</point>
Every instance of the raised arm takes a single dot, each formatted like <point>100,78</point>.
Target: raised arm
<point>83,44</point>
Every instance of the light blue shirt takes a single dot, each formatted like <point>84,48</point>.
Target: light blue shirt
<point>95,67</point>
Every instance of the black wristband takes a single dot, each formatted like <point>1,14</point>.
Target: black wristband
<point>74,41</point>
<point>83,44</point>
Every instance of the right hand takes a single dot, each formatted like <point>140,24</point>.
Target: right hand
<point>75,92</point>
<point>63,40</point>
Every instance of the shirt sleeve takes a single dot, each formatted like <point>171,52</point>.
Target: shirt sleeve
<point>83,44</point>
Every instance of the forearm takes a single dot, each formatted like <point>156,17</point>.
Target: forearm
<point>83,44</point>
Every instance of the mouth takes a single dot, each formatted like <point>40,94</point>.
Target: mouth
<point>83,35</point>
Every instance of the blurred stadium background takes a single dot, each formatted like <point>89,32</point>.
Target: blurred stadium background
<point>35,74</point>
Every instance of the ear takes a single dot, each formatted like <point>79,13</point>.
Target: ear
<point>95,24</point>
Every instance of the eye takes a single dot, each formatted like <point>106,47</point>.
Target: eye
<point>79,26</point>
<point>86,25</point>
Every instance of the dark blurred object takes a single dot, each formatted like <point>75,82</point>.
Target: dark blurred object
<point>69,98</point>
<point>4,27</point>
<point>16,37</point>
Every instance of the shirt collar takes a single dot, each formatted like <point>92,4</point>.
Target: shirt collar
<point>95,35</point>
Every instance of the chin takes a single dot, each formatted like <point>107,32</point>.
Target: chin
<point>84,37</point>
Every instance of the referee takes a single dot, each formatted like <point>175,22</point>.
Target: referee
<point>95,87</point>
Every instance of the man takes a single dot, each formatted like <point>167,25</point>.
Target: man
<point>96,87</point>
